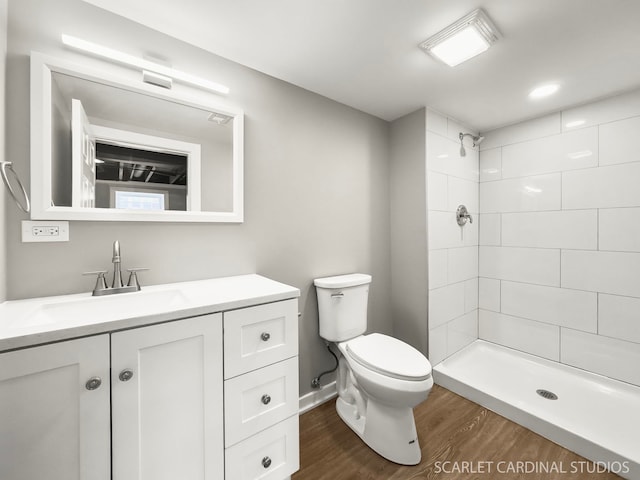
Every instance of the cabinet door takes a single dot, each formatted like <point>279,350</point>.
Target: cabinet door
<point>167,401</point>
<point>53,424</point>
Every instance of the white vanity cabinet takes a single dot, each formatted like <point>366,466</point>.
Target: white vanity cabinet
<point>163,404</point>
<point>206,391</point>
<point>261,391</point>
<point>54,411</point>
<point>166,401</point>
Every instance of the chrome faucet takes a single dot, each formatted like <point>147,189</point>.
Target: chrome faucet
<point>117,286</point>
<point>117,274</point>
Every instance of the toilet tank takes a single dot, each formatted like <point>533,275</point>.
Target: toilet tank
<point>342,305</point>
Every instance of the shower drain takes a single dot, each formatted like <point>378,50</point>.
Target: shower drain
<point>547,394</point>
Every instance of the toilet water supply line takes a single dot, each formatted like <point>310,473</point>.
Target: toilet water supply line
<point>315,383</point>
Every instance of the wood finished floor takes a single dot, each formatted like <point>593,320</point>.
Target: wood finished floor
<point>450,428</point>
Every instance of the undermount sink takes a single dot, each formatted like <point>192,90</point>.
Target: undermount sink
<point>101,309</point>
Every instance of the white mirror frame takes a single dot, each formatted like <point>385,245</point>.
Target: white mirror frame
<point>42,67</point>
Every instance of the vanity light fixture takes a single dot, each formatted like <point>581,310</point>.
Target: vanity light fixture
<point>462,40</point>
<point>155,73</point>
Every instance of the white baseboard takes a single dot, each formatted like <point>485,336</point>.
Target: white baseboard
<point>312,399</point>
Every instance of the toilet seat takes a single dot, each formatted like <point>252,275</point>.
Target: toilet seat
<point>389,356</point>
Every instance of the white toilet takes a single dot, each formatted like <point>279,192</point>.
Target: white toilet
<point>380,379</point>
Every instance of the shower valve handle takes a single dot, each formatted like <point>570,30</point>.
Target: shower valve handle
<point>462,215</point>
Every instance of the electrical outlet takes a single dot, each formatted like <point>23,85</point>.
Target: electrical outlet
<point>45,231</point>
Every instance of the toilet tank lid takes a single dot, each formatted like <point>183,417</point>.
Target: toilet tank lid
<point>343,281</point>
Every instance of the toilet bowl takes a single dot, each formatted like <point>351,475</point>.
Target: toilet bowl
<point>376,399</point>
<point>391,371</point>
<point>380,378</point>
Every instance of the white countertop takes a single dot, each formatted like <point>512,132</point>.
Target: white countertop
<point>34,321</point>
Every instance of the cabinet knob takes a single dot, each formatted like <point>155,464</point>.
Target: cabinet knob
<point>266,462</point>
<point>93,383</point>
<point>265,336</point>
<point>266,399</point>
<point>125,375</point>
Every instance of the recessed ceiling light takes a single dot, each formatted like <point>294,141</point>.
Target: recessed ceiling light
<point>544,90</point>
<point>462,40</point>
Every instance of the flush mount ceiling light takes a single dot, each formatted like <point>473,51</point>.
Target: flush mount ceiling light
<point>160,74</point>
<point>462,40</point>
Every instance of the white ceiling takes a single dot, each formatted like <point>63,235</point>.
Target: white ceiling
<point>364,53</point>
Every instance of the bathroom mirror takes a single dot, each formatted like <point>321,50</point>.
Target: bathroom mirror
<point>109,148</point>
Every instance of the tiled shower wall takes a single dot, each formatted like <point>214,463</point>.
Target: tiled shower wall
<point>453,250</point>
<point>559,256</point>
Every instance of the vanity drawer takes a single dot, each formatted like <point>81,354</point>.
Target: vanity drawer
<point>259,336</point>
<point>272,454</point>
<point>259,399</point>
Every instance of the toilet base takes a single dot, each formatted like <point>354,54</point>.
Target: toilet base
<point>389,431</point>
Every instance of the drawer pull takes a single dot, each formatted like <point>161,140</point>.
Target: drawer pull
<point>93,383</point>
<point>266,462</point>
<point>266,399</point>
<point>265,336</point>
<point>125,375</point>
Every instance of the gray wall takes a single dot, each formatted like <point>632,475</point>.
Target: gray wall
<point>316,184</point>
<point>3,192</point>
<point>408,200</point>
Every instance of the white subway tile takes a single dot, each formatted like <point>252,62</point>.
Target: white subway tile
<point>491,164</point>
<point>602,187</point>
<point>531,194</point>
<point>558,306</point>
<point>603,111</point>
<point>443,155</point>
<point>525,335</point>
<point>606,272</point>
<point>437,344</point>
<point>490,225</point>
<point>440,231</point>
<point>530,265</point>
<point>607,356</point>
<point>462,264</point>
<point>463,192</point>
<point>436,122</point>
<point>445,303</point>
<point>566,151</point>
<point>462,331</point>
<point>438,268</point>
<point>489,294</point>
<point>437,191</point>
<point>619,317</point>
<point>618,142</point>
<point>576,229</point>
<point>619,229</point>
<point>520,132</point>
<point>471,294</point>
<point>444,232</point>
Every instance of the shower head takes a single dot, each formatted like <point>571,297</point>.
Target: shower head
<point>477,140</point>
